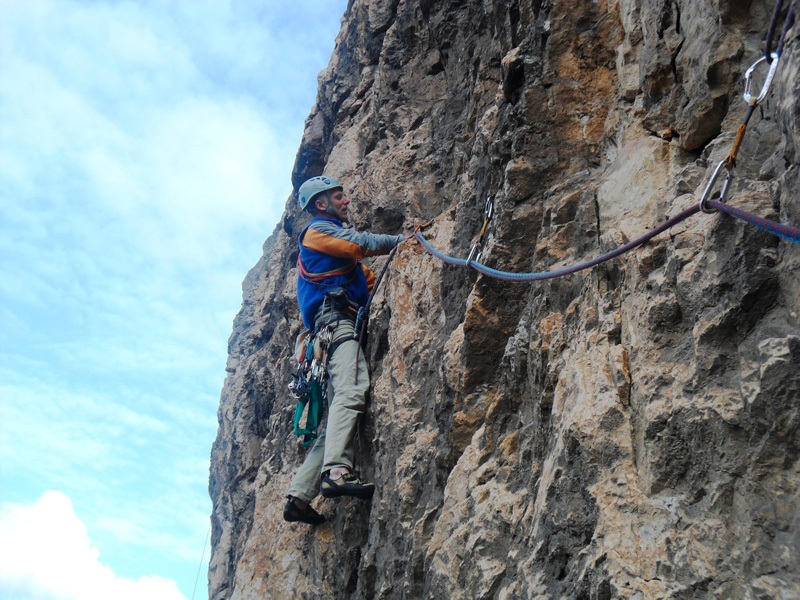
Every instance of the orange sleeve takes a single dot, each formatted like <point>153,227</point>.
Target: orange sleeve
<point>333,246</point>
<point>370,277</point>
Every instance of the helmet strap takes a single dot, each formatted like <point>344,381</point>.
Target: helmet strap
<point>330,210</point>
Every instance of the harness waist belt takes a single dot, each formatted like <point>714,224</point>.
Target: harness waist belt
<point>317,277</point>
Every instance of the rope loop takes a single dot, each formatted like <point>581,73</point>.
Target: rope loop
<point>773,24</point>
<point>787,24</point>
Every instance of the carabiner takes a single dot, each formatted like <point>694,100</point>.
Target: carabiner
<point>710,185</point>
<point>476,252</point>
<point>748,77</point>
<point>488,209</point>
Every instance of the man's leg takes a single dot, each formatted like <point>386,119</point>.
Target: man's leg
<point>347,403</point>
<point>305,486</point>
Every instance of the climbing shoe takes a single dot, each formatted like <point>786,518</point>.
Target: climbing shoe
<point>293,513</point>
<point>348,484</point>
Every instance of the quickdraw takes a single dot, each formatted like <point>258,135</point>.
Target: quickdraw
<point>772,59</point>
<point>477,248</point>
<point>707,203</point>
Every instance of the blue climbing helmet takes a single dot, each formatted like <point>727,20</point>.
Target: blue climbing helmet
<point>315,185</point>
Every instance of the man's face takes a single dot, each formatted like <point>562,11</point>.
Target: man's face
<point>337,207</point>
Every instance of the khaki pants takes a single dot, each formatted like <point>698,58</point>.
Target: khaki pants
<point>346,400</point>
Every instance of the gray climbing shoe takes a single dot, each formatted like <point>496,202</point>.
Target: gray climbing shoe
<point>348,484</point>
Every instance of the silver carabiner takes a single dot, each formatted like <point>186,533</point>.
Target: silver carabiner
<point>475,252</point>
<point>488,209</point>
<point>710,186</point>
<point>748,77</point>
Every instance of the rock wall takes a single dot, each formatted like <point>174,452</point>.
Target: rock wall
<point>627,431</point>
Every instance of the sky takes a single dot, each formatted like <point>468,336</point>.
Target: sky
<point>146,150</point>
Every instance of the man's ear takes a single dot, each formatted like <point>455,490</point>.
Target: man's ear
<point>321,203</point>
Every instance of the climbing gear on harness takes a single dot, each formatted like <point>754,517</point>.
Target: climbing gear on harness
<point>293,513</point>
<point>310,383</point>
<point>349,484</point>
<point>315,185</point>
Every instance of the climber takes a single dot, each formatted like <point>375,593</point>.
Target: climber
<point>332,285</point>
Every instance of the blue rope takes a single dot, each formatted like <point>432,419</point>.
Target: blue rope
<point>450,260</point>
<point>508,276</point>
<point>786,232</point>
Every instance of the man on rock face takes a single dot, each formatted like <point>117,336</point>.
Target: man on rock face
<point>332,285</point>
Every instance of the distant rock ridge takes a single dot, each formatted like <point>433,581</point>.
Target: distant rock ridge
<point>630,431</point>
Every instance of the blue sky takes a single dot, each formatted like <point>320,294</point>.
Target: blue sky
<point>145,155</point>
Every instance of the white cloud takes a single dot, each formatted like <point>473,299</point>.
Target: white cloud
<point>146,151</point>
<point>46,554</point>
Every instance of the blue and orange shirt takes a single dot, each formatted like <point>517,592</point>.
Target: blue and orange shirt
<point>330,258</point>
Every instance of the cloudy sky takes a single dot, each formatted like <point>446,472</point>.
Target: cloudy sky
<point>146,150</point>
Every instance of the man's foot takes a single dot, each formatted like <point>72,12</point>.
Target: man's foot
<point>348,484</point>
<point>293,513</point>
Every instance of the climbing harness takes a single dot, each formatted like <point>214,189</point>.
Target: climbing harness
<point>706,204</point>
<point>313,350</point>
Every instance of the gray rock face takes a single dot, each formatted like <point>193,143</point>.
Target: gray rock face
<point>627,431</point>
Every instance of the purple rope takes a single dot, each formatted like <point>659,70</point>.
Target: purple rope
<point>507,276</point>
<point>787,24</point>
<point>787,232</point>
<point>450,260</point>
<point>773,25</point>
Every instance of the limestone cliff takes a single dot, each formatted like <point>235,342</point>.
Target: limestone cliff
<point>630,431</point>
